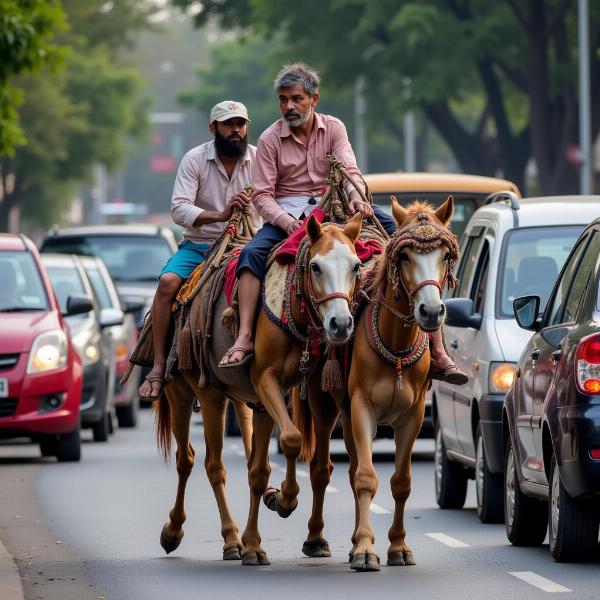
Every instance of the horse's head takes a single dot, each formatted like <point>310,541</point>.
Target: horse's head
<point>333,269</point>
<point>421,255</point>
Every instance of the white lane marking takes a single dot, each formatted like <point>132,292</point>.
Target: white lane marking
<point>446,539</point>
<point>547,585</point>
<point>331,490</point>
<point>379,510</point>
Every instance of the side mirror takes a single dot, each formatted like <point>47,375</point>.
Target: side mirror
<point>526,309</point>
<point>132,306</point>
<point>459,313</point>
<point>77,304</point>
<point>109,317</point>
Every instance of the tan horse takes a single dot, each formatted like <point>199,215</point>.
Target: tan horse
<point>326,289</point>
<point>390,363</point>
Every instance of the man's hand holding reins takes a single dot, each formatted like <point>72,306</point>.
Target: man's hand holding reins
<point>360,206</point>
<point>240,200</point>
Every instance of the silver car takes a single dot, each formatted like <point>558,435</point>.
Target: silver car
<point>512,247</point>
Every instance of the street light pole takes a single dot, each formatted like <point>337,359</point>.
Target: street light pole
<point>585,125</point>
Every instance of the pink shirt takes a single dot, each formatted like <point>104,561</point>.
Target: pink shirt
<point>202,184</point>
<point>284,166</point>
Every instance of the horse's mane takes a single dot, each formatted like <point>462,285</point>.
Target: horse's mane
<point>374,278</point>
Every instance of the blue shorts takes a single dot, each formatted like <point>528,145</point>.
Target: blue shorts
<point>188,256</point>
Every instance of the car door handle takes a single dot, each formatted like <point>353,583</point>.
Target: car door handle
<point>556,355</point>
<point>454,344</point>
<point>535,354</point>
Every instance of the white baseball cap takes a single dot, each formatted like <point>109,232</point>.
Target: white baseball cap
<point>228,109</point>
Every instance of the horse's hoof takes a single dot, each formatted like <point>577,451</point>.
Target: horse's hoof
<point>255,559</point>
<point>270,500</point>
<point>400,559</point>
<point>365,562</point>
<point>169,543</point>
<point>350,556</point>
<point>317,548</point>
<point>232,554</point>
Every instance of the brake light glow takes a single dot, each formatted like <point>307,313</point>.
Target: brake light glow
<point>595,453</point>
<point>587,364</point>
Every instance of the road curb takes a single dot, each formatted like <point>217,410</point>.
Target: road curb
<point>10,581</point>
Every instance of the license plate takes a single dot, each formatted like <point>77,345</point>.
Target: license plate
<point>3,387</point>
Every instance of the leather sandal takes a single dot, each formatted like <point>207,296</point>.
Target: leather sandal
<point>248,355</point>
<point>450,374</point>
<point>152,378</point>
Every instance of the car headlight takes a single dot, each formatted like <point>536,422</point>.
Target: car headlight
<point>501,376</point>
<point>49,352</point>
<point>87,347</point>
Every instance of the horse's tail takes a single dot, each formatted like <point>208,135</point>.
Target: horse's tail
<point>164,439</point>
<point>302,419</point>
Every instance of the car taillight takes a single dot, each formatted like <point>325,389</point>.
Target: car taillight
<point>595,453</point>
<point>587,364</point>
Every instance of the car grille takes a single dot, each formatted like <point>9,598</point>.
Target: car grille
<point>8,406</point>
<point>8,361</point>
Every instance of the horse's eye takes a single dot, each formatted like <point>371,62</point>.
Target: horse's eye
<point>357,267</point>
<point>315,268</point>
<point>403,257</point>
<point>447,257</point>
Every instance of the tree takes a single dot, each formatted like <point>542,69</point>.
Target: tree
<point>74,119</point>
<point>27,31</point>
<point>514,62</point>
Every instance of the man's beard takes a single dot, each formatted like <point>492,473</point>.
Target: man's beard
<point>296,119</point>
<point>231,148</point>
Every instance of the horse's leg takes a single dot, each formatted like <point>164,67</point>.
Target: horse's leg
<point>325,414</point>
<point>351,450</point>
<point>406,430</point>
<point>365,481</point>
<point>285,500</point>
<point>213,416</point>
<point>244,416</point>
<point>258,478</point>
<point>180,398</point>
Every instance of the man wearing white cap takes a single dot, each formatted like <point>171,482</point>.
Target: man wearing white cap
<point>210,183</point>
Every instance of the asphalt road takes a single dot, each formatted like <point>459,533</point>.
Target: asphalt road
<point>91,530</point>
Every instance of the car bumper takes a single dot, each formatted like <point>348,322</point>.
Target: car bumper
<point>25,413</point>
<point>490,415</point>
<point>578,431</point>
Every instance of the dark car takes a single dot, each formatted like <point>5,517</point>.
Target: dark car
<point>90,337</point>
<point>133,254</point>
<point>40,369</point>
<point>551,418</point>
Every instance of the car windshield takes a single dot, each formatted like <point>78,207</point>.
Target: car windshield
<point>464,206</point>
<point>65,281</point>
<point>22,287</point>
<point>530,263</point>
<point>127,258</point>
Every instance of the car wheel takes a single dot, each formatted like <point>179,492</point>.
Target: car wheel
<point>101,428</point>
<point>573,532</point>
<point>232,427</point>
<point>450,478</point>
<point>69,447</point>
<point>525,519</point>
<point>488,486</point>
<point>128,415</point>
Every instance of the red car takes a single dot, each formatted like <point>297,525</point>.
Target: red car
<point>40,371</point>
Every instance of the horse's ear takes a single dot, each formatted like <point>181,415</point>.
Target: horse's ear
<point>314,229</point>
<point>352,227</point>
<point>398,211</point>
<point>445,211</point>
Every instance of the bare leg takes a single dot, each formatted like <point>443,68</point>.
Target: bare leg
<point>180,400</point>
<point>168,286</point>
<point>258,478</point>
<point>213,415</point>
<point>248,296</point>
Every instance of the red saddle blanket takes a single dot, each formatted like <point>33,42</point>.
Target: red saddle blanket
<point>365,249</point>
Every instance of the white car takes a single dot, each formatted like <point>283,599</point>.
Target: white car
<point>511,247</point>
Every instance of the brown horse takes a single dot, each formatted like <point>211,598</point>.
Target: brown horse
<point>390,363</point>
<point>319,311</point>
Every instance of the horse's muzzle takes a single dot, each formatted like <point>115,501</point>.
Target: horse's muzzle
<point>339,329</point>
<point>431,318</point>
